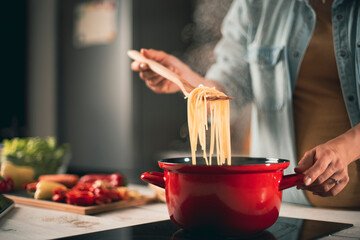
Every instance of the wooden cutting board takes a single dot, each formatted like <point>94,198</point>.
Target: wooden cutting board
<point>20,198</point>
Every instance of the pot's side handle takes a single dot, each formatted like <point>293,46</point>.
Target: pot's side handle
<point>291,180</point>
<point>155,178</point>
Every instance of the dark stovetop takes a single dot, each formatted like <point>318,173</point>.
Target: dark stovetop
<point>284,229</point>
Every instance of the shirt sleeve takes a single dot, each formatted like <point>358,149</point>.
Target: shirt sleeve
<point>231,69</point>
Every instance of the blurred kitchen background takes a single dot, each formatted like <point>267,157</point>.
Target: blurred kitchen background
<point>65,73</point>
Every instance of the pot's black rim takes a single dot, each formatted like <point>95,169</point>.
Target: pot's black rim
<point>235,161</point>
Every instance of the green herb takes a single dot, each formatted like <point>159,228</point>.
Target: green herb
<point>43,155</point>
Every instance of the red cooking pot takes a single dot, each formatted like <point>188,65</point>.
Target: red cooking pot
<point>241,199</point>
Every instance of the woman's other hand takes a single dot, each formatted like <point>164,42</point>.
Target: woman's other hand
<point>325,170</point>
<point>326,166</point>
<point>160,84</point>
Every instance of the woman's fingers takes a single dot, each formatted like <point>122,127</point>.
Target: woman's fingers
<point>139,66</point>
<point>160,87</point>
<point>333,191</point>
<point>327,163</point>
<point>158,56</point>
<point>150,76</point>
<point>331,187</point>
<point>326,174</point>
<point>155,82</point>
<point>304,164</point>
<point>155,88</point>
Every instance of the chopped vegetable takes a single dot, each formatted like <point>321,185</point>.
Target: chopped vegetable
<point>69,180</point>
<point>124,193</point>
<point>31,188</point>
<point>85,194</point>
<point>59,194</point>
<point>80,198</point>
<point>6,185</point>
<point>115,179</point>
<point>19,174</point>
<point>128,194</point>
<point>44,189</point>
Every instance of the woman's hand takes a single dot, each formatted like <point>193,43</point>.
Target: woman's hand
<point>326,166</point>
<point>160,84</point>
<point>325,170</point>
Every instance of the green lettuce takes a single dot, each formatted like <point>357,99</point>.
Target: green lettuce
<point>42,154</point>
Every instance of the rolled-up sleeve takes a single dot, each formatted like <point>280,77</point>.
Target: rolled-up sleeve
<point>231,70</point>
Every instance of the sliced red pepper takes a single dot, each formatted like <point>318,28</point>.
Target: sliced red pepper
<point>2,186</point>
<point>82,186</point>
<point>31,187</point>
<point>102,199</point>
<point>80,198</point>
<point>60,191</point>
<point>58,198</point>
<point>115,179</point>
<point>114,195</point>
<point>102,196</point>
<point>6,184</point>
<point>10,184</point>
<point>59,194</point>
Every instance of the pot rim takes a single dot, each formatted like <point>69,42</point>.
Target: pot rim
<point>257,165</point>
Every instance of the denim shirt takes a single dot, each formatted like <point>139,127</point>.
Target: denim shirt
<point>258,61</point>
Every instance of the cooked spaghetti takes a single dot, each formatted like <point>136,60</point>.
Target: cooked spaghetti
<point>198,108</point>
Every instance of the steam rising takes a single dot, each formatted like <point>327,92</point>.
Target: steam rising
<point>205,33</point>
